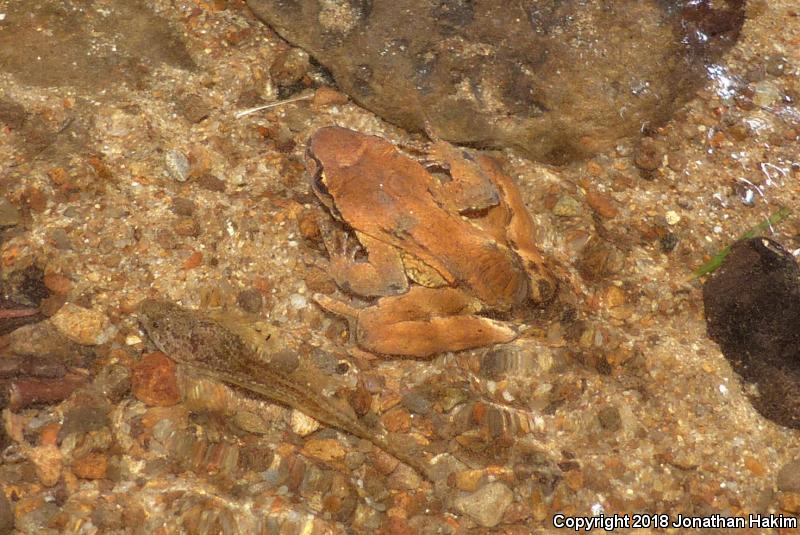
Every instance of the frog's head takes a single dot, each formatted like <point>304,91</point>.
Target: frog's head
<point>334,147</point>
<point>330,150</point>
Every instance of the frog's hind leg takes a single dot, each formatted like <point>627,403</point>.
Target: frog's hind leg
<point>520,231</point>
<point>427,321</point>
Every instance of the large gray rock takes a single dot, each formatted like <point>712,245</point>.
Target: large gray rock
<point>554,78</point>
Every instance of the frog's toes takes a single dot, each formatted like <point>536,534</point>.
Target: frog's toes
<point>335,306</point>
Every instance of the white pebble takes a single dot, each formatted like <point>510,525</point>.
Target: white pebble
<point>298,301</point>
<point>672,217</point>
<point>177,165</point>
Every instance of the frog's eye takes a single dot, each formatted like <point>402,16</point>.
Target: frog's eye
<point>319,183</point>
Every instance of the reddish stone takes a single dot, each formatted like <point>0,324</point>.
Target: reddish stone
<point>154,380</point>
<point>91,466</point>
<point>602,204</point>
<point>397,420</point>
<point>194,260</point>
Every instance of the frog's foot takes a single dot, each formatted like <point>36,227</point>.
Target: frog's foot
<point>467,187</point>
<point>335,306</point>
<point>427,321</point>
<point>381,274</point>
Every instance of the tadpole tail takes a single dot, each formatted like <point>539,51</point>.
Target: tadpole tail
<point>289,394</point>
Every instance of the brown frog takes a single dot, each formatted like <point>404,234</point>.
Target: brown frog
<point>464,237</point>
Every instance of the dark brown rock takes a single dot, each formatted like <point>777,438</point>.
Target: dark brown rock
<point>183,207</point>
<point>250,300</point>
<point>26,392</point>
<point>554,79</point>
<point>288,69</point>
<point>58,56</point>
<point>609,418</point>
<point>648,155</point>
<point>194,108</point>
<point>211,183</point>
<point>752,308</point>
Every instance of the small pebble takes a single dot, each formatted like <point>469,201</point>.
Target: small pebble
<point>451,397</point>
<point>252,423</point>
<point>397,420</point>
<point>211,183</point>
<point>303,425</point>
<point>84,419</point>
<point>154,382</point>
<point>790,502</point>
<point>298,302</point>
<point>677,161</point>
<point>610,418</point>
<point>327,96</point>
<point>193,260</point>
<point>48,463</point>
<point>668,242</point>
<point>289,67</point>
<point>602,204</point>
<point>91,466</point>
<point>325,449</point>
<point>250,301</point>
<point>648,155</point>
<point>567,207</point>
<point>487,505</point>
<point>194,108</point>
<point>187,227</point>
<point>672,217</point>
<point>354,459</point>
<point>467,480</point>
<point>789,477</point>
<point>766,93</point>
<point>60,239</point>
<point>183,206</point>
<point>777,65</point>
<point>416,403</point>
<point>177,165</point>
<point>9,215</point>
<point>57,283</point>
<point>308,225</point>
<point>285,361</point>
<point>34,521</point>
<point>108,516</point>
<point>403,478</point>
<point>83,326</point>
<point>114,381</point>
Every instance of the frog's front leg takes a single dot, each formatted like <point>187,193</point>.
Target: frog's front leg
<point>381,274</point>
<point>426,321</point>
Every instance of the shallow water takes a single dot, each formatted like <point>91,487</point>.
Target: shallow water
<point>127,176</point>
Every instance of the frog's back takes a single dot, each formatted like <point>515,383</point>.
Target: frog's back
<point>391,197</point>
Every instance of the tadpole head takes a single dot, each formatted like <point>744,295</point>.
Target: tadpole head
<point>156,319</point>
